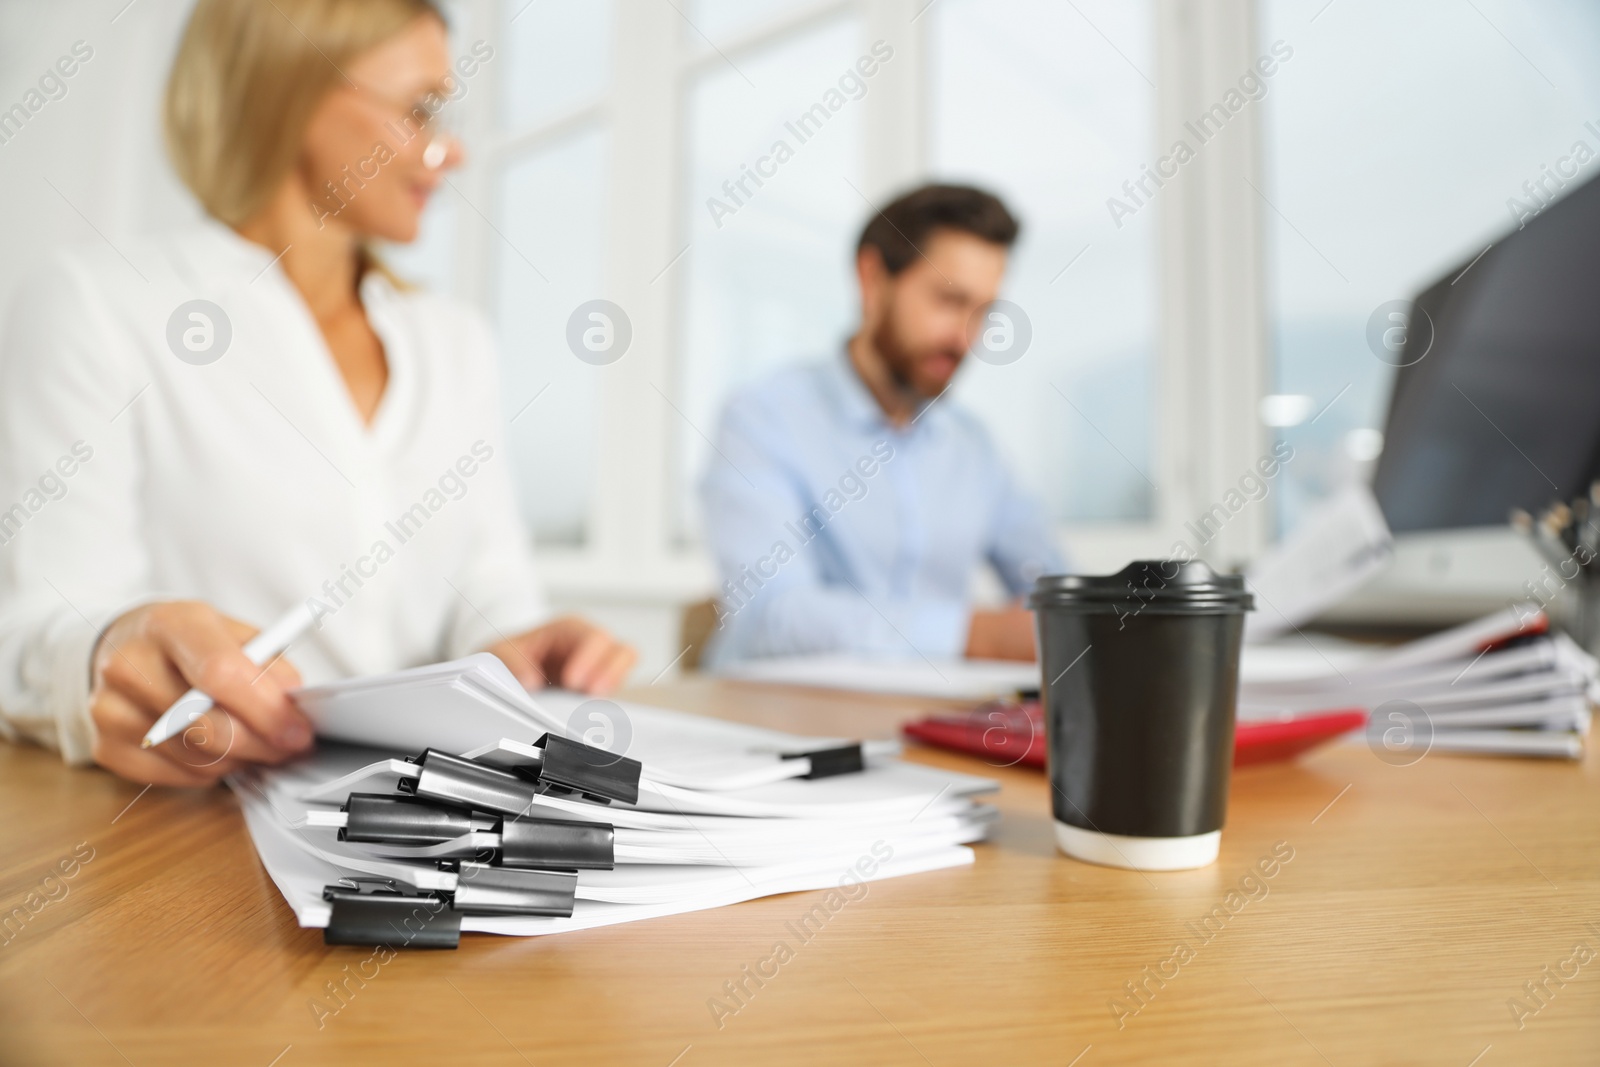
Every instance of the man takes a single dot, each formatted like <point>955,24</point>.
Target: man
<point>849,502</point>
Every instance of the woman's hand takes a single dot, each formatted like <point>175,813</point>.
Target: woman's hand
<point>568,652</point>
<point>150,657</point>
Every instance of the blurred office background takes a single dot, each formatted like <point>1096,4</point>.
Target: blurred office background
<point>1173,343</point>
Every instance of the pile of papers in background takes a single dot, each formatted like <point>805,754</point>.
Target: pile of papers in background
<point>1503,684</point>
<point>568,813</point>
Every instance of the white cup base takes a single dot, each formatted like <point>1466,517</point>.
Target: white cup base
<point>1139,853</point>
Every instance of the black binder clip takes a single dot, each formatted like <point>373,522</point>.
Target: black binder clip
<point>827,762</point>
<point>485,890</point>
<point>557,844</point>
<point>383,911</point>
<point>407,820</point>
<point>562,766</point>
<point>467,784</point>
<point>573,767</point>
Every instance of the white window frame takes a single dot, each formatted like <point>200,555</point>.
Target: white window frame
<point>1212,366</point>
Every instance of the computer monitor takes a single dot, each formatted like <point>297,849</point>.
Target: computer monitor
<point>1497,402</point>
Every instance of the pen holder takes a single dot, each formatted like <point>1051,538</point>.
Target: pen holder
<point>1580,615</point>
<point>1567,537</point>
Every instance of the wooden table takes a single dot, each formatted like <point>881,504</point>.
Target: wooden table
<point>1418,903</point>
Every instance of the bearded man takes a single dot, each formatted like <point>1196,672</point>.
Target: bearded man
<point>848,502</point>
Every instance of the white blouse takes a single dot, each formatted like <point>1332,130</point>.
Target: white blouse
<point>246,479</point>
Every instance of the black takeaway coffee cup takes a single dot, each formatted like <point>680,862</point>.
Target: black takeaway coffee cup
<point>1141,677</point>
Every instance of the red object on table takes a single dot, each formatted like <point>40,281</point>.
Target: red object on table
<point>1011,734</point>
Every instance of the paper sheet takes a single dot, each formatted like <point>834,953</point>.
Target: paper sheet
<point>1334,550</point>
<point>967,679</point>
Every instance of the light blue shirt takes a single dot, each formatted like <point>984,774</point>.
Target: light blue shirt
<point>835,532</point>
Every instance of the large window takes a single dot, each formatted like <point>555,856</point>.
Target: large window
<point>708,23</point>
<point>766,275</point>
<point>1049,105</point>
<point>1399,140</point>
<point>630,152</point>
<point>527,221</point>
<point>552,208</point>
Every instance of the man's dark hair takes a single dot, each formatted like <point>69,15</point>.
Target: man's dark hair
<point>901,230</point>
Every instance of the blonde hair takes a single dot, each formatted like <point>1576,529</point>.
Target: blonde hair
<point>247,77</point>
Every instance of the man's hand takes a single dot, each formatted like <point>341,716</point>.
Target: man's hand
<point>569,652</point>
<point>1004,634</point>
<point>150,657</point>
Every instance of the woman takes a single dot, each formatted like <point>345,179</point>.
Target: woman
<point>227,423</point>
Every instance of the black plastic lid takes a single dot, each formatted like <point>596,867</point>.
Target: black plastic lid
<point>1150,585</point>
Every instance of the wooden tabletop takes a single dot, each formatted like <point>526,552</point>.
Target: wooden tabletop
<point>1418,904</point>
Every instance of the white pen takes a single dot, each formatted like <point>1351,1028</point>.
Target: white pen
<point>265,645</point>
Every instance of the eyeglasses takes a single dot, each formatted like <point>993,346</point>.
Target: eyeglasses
<point>432,114</point>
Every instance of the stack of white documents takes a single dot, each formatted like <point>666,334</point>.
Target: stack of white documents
<point>447,799</point>
<point>1503,684</point>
